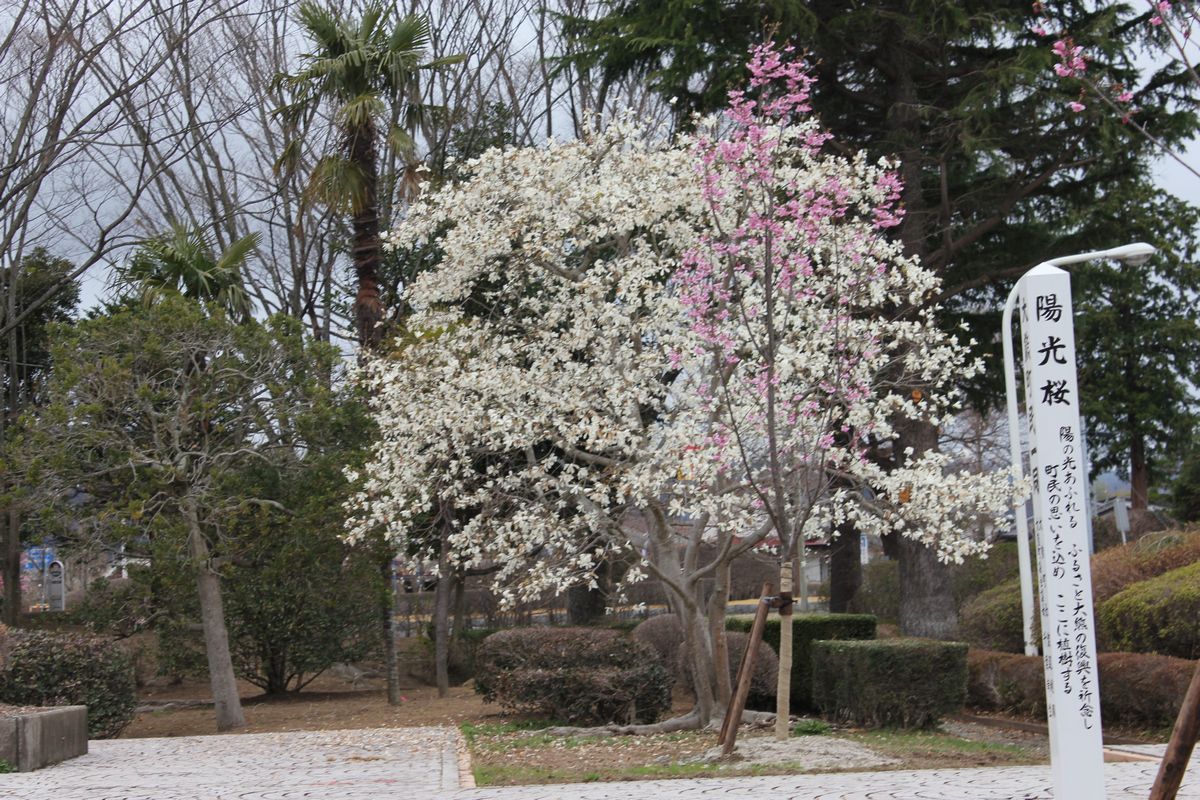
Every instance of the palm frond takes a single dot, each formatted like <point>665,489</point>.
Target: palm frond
<point>236,254</point>
<point>338,183</point>
<point>359,111</point>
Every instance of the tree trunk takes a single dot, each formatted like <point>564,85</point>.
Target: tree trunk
<point>387,602</point>
<point>926,584</point>
<point>717,603</point>
<point>699,650</point>
<point>226,702</point>
<point>845,568</point>
<point>926,593</point>
<point>441,620</point>
<point>365,247</point>
<point>12,566</point>
<point>461,620</point>
<point>783,687</point>
<point>1139,473</point>
<point>585,605</point>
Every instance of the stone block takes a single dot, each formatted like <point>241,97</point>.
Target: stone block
<point>40,738</point>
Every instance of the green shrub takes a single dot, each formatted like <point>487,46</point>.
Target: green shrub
<point>664,634</point>
<point>55,669</point>
<point>1008,682</point>
<point>811,727</point>
<point>903,683</point>
<point>1155,616</point>
<point>992,620</point>
<point>764,681</point>
<point>1118,568</point>
<point>1136,689</point>
<point>807,629</point>
<point>576,675</point>
<point>976,575</point>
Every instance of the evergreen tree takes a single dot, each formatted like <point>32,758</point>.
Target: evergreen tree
<point>998,168</point>
<point>26,363</point>
<point>1139,340</point>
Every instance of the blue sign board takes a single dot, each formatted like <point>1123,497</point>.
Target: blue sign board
<point>39,557</point>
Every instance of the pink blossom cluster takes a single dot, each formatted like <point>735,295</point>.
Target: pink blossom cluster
<point>1070,58</point>
<point>1160,8</point>
<point>738,283</point>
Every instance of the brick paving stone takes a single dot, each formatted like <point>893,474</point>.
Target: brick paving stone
<point>408,763</point>
<point>420,763</point>
<point>1125,781</point>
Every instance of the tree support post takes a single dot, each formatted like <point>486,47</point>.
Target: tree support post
<point>737,704</point>
<point>1179,750</point>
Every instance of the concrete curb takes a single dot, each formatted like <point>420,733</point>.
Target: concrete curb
<point>456,763</point>
<point>40,738</point>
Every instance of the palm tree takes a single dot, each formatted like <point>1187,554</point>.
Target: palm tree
<point>367,68</point>
<point>182,261</point>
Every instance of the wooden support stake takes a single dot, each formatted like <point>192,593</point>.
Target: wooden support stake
<point>1179,750</point>
<point>737,704</point>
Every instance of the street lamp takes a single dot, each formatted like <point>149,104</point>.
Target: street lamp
<point>1132,254</point>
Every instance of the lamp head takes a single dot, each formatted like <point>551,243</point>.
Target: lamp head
<point>1134,254</point>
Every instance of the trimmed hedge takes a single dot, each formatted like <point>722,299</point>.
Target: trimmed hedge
<point>585,676</point>
<point>1155,616</point>
<point>1118,568</point>
<point>992,620</point>
<point>56,669</point>
<point>664,633</point>
<point>891,683</point>
<point>764,681</point>
<point>1136,689</point>
<point>806,629</point>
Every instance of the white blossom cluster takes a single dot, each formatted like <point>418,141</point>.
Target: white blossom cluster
<point>554,398</point>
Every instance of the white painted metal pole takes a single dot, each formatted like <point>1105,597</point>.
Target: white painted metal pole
<point>1024,564</point>
<point>1135,252</point>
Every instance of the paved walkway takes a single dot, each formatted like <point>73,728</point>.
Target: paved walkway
<point>420,763</point>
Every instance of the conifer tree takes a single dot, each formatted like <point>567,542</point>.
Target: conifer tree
<point>999,159</point>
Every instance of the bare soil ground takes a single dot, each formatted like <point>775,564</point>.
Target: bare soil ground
<point>328,703</point>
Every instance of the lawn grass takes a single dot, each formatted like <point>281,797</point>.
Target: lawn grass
<point>524,753</point>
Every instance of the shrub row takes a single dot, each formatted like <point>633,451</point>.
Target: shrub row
<point>582,676</point>
<point>1155,616</point>
<point>55,669</point>
<point>1141,603</point>
<point>1118,568</point>
<point>806,629</point>
<point>905,683</point>
<point>1136,689</point>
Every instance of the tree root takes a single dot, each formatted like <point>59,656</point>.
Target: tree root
<point>690,721</point>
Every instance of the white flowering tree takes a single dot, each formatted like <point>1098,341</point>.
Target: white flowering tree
<point>651,348</point>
